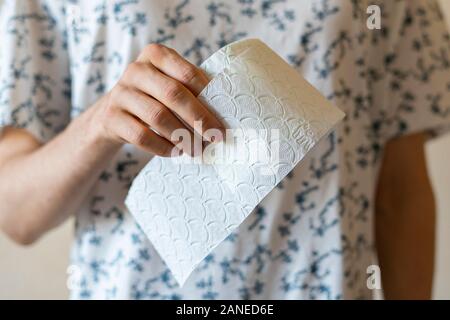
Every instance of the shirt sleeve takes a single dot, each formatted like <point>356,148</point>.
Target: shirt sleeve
<point>34,68</point>
<point>415,95</point>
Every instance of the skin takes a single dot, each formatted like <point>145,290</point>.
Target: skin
<point>405,220</point>
<point>155,91</point>
<point>152,90</point>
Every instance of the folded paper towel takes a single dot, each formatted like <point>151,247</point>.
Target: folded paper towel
<point>187,209</point>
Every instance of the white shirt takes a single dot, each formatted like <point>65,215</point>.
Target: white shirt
<point>311,238</point>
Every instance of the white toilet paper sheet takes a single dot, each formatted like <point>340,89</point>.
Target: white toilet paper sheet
<point>276,117</point>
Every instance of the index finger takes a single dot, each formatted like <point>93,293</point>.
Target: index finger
<point>175,66</point>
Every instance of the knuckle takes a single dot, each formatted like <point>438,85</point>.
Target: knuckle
<point>109,111</point>
<point>131,71</point>
<point>116,95</point>
<point>170,50</point>
<point>119,90</point>
<point>189,74</point>
<point>157,116</point>
<point>110,102</point>
<point>105,114</point>
<point>154,50</point>
<point>174,91</point>
<point>204,119</point>
<point>138,136</point>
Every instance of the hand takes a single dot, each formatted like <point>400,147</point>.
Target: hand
<point>145,107</point>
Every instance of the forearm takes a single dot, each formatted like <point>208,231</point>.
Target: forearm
<point>405,241</point>
<point>40,189</point>
<point>154,98</point>
<point>405,221</point>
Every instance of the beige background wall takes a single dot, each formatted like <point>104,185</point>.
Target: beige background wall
<point>438,152</point>
<point>438,164</point>
<point>39,271</point>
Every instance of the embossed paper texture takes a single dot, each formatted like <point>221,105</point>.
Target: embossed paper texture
<point>187,209</point>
